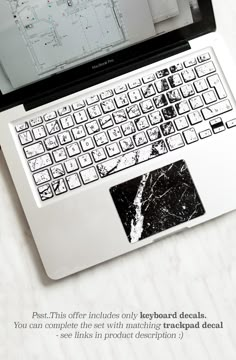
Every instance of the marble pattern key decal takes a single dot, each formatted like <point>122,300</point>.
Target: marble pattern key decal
<point>157,201</point>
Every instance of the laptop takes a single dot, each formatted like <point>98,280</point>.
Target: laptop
<point>117,123</point>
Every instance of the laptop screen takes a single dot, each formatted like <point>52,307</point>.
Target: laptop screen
<point>39,39</point>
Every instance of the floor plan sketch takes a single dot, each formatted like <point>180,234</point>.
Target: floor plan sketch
<point>59,33</point>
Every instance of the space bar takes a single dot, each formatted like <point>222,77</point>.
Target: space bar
<point>132,158</point>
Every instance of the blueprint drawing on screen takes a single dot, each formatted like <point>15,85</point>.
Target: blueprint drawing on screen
<point>60,32</point>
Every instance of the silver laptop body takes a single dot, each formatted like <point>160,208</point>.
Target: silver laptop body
<point>115,134</point>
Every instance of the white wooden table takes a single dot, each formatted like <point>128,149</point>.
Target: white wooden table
<point>192,271</point>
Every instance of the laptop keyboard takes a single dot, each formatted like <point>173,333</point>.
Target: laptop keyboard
<point>92,138</point>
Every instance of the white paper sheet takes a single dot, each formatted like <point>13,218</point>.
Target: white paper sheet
<point>163,9</point>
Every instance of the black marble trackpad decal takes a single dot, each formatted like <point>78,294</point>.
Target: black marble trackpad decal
<point>157,201</point>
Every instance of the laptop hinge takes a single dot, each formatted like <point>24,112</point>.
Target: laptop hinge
<point>103,75</point>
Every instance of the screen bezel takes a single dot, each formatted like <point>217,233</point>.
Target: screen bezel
<point>107,67</point>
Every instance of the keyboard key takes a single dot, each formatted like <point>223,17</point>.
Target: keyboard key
<point>201,85</point>
<point>175,80</point>
<point>64,110</point>
<point>92,127</point>
<point>59,186</point>
<point>121,100</point>
<point>148,90</point>
<point>181,123</point>
<point>154,133</point>
<point>190,136</point>
<point>216,109</point>
<point>71,165</point>
<point>101,139</point>
<point>135,95</point>
<point>85,160</point>
<point>94,111</point>
<point>195,118</point>
<point>217,125</point>
<point>87,144</point>
<point>89,175</point>
<point>59,155</point>
<point>36,121</point>
<point>41,177</point>
<point>108,106</point>
<point>126,144</point>
<point>182,107</point>
<point>187,90</point>
<point>134,83</point>
<point>51,143</point>
<point>119,116</point>
<point>133,111</point>
<point>190,62</point>
<point>78,105</point>
<point>114,133</point>
<point>50,116</point>
<point>39,132</point>
<point>132,158</point>
<point>140,139</point>
<point>196,102</point>
<point>148,78</point>
<point>73,149</point>
<point>106,94</point>
<point>67,122</point>
<point>209,97</point>
<point>40,162</point>
<point>25,138</point>
<point>205,134</point>
<point>175,142</point>
<point>121,88</point>
<point>155,118</point>
<point>45,192</point>
<point>162,85</point>
<point>216,83</point>
<point>106,121</point>
<point>53,127</point>
<point>167,128</point>
<point>128,128</point>
<point>141,123</point>
<point>34,150</point>
<point>64,138</point>
<point>80,116</point>
<point>146,106</point>
<point>174,95</point>
<point>78,132</point>
<point>160,101</point>
<point>204,57</point>
<point>205,69</point>
<point>21,127</point>
<point>176,67</point>
<point>92,99</point>
<point>73,181</point>
<point>162,73</point>
<point>188,75</point>
<point>231,123</point>
<point>169,112</point>
<point>112,149</point>
<point>57,171</point>
<point>98,154</point>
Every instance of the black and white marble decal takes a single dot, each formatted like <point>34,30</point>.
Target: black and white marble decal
<point>157,201</point>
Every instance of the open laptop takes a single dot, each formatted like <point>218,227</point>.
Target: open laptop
<point>117,123</point>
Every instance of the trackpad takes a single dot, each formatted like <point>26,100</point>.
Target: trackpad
<point>157,201</point>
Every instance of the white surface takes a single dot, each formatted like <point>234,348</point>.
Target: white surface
<point>193,271</point>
